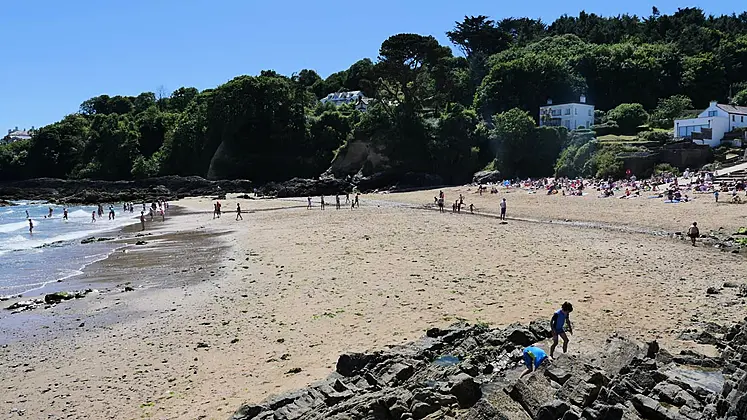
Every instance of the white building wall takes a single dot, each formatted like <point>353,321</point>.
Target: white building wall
<point>572,116</point>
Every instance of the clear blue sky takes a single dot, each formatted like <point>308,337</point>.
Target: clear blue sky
<point>56,54</point>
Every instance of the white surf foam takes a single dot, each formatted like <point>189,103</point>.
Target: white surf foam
<point>12,227</point>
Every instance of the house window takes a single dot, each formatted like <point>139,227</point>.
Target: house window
<point>590,113</point>
<point>712,113</point>
<point>575,111</point>
<point>742,119</point>
<point>567,111</point>
<point>733,118</point>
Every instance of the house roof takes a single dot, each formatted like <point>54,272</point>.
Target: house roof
<point>731,109</point>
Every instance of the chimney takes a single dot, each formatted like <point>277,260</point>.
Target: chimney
<point>549,101</point>
<point>582,99</point>
<point>714,103</point>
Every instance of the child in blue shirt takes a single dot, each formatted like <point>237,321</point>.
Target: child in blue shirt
<point>557,325</point>
<point>533,358</point>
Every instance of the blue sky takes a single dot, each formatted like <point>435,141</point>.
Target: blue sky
<point>59,53</point>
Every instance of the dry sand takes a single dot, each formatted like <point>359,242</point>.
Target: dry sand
<point>293,288</point>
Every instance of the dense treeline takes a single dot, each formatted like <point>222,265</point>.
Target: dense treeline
<point>434,111</point>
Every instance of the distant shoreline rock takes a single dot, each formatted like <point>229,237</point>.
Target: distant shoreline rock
<point>86,191</point>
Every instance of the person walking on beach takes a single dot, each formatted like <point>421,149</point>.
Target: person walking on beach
<point>472,208</point>
<point>31,227</point>
<point>111,212</point>
<point>93,216</point>
<point>322,202</point>
<point>715,194</point>
<point>357,201</point>
<point>533,358</point>
<point>308,207</point>
<point>217,208</point>
<point>560,318</point>
<point>64,213</point>
<point>503,209</point>
<point>142,220</point>
<point>347,198</point>
<point>337,201</point>
<point>693,232</point>
<point>238,211</point>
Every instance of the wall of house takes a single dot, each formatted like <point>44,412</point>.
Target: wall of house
<point>572,116</point>
<point>719,125</point>
<point>736,121</point>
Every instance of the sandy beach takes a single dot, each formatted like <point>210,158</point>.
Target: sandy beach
<point>224,310</point>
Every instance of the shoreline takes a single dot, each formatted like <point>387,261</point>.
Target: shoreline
<point>222,310</point>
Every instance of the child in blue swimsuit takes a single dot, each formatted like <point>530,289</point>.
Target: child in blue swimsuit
<point>533,358</point>
<point>557,326</point>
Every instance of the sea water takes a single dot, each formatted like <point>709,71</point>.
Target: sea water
<point>31,261</point>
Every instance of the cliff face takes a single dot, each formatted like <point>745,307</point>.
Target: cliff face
<point>358,156</point>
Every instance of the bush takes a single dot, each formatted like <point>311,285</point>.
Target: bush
<point>609,127</point>
<point>660,137</point>
<point>628,117</point>
<point>740,98</point>
<point>666,168</point>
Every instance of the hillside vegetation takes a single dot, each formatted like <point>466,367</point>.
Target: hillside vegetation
<point>434,112</point>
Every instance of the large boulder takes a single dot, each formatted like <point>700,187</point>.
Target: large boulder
<point>487,177</point>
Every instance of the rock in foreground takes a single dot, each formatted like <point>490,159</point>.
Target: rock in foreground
<point>469,373</point>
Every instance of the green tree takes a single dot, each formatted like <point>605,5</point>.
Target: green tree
<point>628,117</point>
<point>669,109</point>
<point>740,98</point>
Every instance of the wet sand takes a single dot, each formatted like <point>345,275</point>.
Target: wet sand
<point>223,310</point>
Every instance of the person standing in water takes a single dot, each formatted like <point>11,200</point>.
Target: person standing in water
<point>51,210</point>
<point>142,220</point>
<point>238,212</point>
<point>64,213</point>
<point>93,216</point>
<point>27,214</point>
<point>31,227</point>
<point>111,212</point>
<point>322,202</point>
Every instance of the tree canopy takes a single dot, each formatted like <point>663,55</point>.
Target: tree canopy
<point>431,111</point>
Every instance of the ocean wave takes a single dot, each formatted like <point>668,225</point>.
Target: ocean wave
<point>12,227</point>
<point>22,243</point>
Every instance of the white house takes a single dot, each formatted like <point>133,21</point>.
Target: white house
<point>355,97</point>
<point>571,116</point>
<point>15,135</point>
<point>711,125</point>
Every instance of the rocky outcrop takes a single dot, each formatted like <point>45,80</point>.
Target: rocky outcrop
<point>487,177</point>
<point>357,157</point>
<point>469,373</point>
<point>49,300</point>
<point>299,187</point>
<point>86,191</point>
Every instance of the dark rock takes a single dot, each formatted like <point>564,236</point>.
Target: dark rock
<point>141,243</point>
<point>57,297</point>
<point>731,284</point>
<point>129,289</point>
<point>485,177</point>
<point>653,349</point>
<point>247,412</point>
<point>351,364</point>
<point>553,410</point>
<point>298,187</point>
<point>422,409</point>
<point>520,335</point>
<point>465,389</point>
<point>713,291</point>
<point>483,410</point>
<point>557,374</point>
